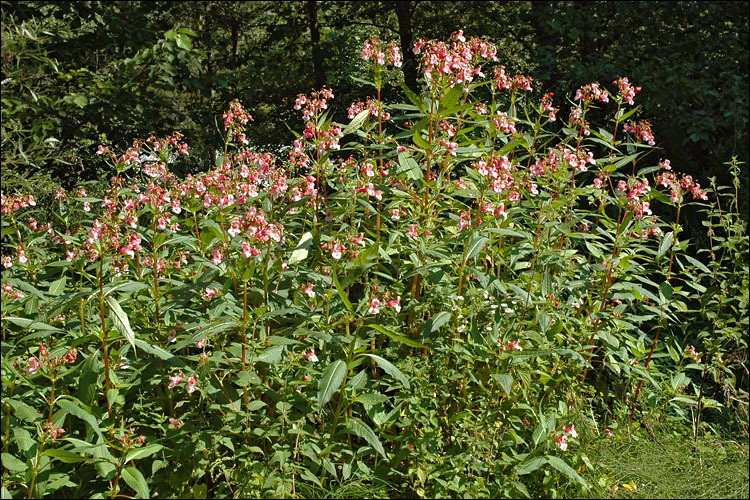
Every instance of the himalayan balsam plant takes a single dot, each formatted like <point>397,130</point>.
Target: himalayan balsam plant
<point>421,298</point>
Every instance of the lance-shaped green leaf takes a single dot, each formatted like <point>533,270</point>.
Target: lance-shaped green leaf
<point>300,253</point>
<point>330,381</point>
<point>436,322</point>
<point>396,336</point>
<point>135,480</point>
<point>666,244</point>
<point>143,452</point>
<point>71,406</point>
<point>356,122</point>
<point>566,469</point>
<point>475,245</point>
<point>361,429</point>
<point>65,456</point>
<point>121,321</point>
<point>390,369</point>
<point>341,292</point>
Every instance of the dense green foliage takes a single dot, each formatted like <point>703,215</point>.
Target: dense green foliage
<point>429,282</point>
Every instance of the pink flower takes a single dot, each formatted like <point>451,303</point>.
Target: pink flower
<point>608,433</point>
<point>33,366</point>
<point>217,257</point>
<point>412,231</point>
<point>310,355</point>
<point>174,380</point>
<point>375,306</point>
<point>200,344</point>
<point>308,289</point>
<point>337,250</point>
<point>175,423</point>
<point>191,384</point>
<point>571,429</point>
<point>394,303</point>
<point>562,440</point>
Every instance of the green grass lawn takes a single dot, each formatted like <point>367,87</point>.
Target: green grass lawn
<point>665,464</point>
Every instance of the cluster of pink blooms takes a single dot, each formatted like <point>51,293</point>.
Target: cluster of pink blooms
<point>504,123</point>
<point>10,293</point>
<point>592,92</point>
<point>641,129</point>
<point>575,119</point>
<point>577,159</point>
<point>414,234</point>
<point>380,52</point>
<point>33,364</point>
<point>377,302</point>
<point>234,119</point>
<point>511,345</point>
<point>678,187</point>
<point>499,170</point>
<point>562,439</point>
<point>175,423</point>
<point>15,202</point>
<point>208,293</point>
<point>693,354</point>
<point>547,106</point>
<point>635,190</point>
<point>373,105</point>
<point>128,440</point>
<point>192,381</point>
<point>326,138</point>
<point>458,62</point>
<point>518,82</point>
<point>626,90</point>
<point>50,432</point>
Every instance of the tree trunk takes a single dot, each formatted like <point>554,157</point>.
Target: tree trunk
<point>403,13</point>
<point>318,73</point>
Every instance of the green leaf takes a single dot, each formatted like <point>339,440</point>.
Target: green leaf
<point>414,98</point>
<point>12,463</point>
<point>58,287</point>
<point>530,465</point>
<point>356,122</point>
<point>135,480</point>
<point>341,292</point>
<point>142,452</point>
<point>505,381</point>
<point>330,381</point>
<point>390,369</point>
<point>364,431</point>
<point>300,253</point>
<point>156,351</point>
<point>409,165</point>
<point>64,456</point>
<point>74,409</point>
<point>476,244</point>
<point>121,320</point>
<point>88,380</point>
<point>396,336</point>
<point>436,322</point>
<point>666,244</point>
<point>566,469</point>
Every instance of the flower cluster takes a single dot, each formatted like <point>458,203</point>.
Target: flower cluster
<point>641,129</point>
<point>192,381</point>
<point>377,302</point>
<point>374,106</point>
<point>518,82</point>
<point>626,90</point>
<point>678,187</point>
<point>379,52</point>
<point>459,61</point>
<point>15,202</point>
<point>547,106</point>
<point>33,364</point>
<point>592,92</point>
